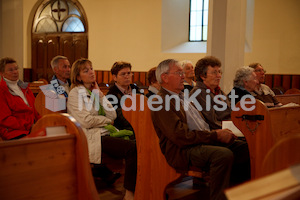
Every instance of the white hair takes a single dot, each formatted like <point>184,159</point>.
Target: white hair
<point>55,60</point>
<point>241,75</point>
<point>163,67</point>
<point>183,63</point>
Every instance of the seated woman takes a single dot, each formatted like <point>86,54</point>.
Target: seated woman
<point>88,105</point>
<point>263,92</point>
<point>122,76</point>
<point>208,75</point>
<point>245,81</point>
<point>189,74</point>
<point>154,86</point>
<point>18,113</point>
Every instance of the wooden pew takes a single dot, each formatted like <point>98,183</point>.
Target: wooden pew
<point>261,135</point>
<point>47,167</point>
<point>35,86</point>
<point>40,105</point>
<point>283,154</point>
<point>285,121</point>
<point>280,168</point>
<point>281,185</point>
<point>288,98</point>
<point>154,174</point>
<point>292,91</point>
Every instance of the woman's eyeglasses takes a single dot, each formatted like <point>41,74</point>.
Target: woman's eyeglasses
<point>216,72</point>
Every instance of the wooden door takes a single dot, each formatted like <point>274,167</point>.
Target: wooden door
<point>46,46</point>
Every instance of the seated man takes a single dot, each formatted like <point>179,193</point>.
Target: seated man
<point>208,76</point>
<point>62,71</point>
<point>189,74</point>
<point>263,92</point>
<point>121,72</point>
<point>154,85</point>
<point>186,140</point>
<point>18,113</point>
<point>244,83</point>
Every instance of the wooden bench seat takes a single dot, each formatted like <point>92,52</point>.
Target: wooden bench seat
<point>47,167</point>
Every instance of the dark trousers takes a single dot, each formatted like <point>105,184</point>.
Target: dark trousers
<point>123,149</point>
<point>226,164</point>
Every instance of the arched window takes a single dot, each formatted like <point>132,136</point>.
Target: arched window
<point>59,28</point>
<point>198,20</point>
<point>59,16</point>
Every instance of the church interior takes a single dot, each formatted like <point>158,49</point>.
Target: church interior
<point>143,33</point>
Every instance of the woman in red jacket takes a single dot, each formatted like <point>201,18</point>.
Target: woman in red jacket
<point>17,111</point>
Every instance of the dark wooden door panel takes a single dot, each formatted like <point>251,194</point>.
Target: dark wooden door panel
<point>67,47</point>
<point>80,46</point>
<point>47,46</point>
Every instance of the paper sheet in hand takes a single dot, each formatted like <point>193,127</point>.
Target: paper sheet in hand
<point>232,127</point>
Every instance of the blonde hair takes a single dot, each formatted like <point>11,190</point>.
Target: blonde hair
<point>77,66</point>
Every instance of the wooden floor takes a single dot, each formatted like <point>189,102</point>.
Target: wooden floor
<point>181,191</point>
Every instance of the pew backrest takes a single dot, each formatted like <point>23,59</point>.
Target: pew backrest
<point>261,135</point>
<point>47,167</point>
<point>255,132</point>
<point>283,154</point>
<point>40,104</point>
<point>285,121</point>
<point>153,172</point>
<point>35,86</point>
<point>288,98</point>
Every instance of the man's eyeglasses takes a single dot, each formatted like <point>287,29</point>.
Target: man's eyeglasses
<point>180,73</point>
<point>123,74</point>
<point>216,72</point>
<point>260,70</point>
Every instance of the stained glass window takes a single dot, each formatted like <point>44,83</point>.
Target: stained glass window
<point>198,20</point>
<point>59,16</point>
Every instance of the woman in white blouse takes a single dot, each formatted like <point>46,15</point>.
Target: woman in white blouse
<point>88,105</point>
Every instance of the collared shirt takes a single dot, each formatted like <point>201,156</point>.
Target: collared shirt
<point>153,89</point>
<point>186,83</point>
<point>13,85</point>
<point>217,90</point>
<point>195,120</point>
<point>66,85</point>
<point>124,91</point>
<point>266,95</point>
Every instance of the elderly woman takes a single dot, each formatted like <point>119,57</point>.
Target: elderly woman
<point>88,105</point>
<point>17,113</point>
<point>262,91</point>
<point>189,74</point>
<point>208,76</point>
<point>244,83</point>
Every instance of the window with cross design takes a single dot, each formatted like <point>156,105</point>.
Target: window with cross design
<point>59,16</point>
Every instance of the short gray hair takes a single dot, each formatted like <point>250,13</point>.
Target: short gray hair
<point>163,67</point>
<point>55,60</point>
<point>241,75</point>
<point>183,63</point>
